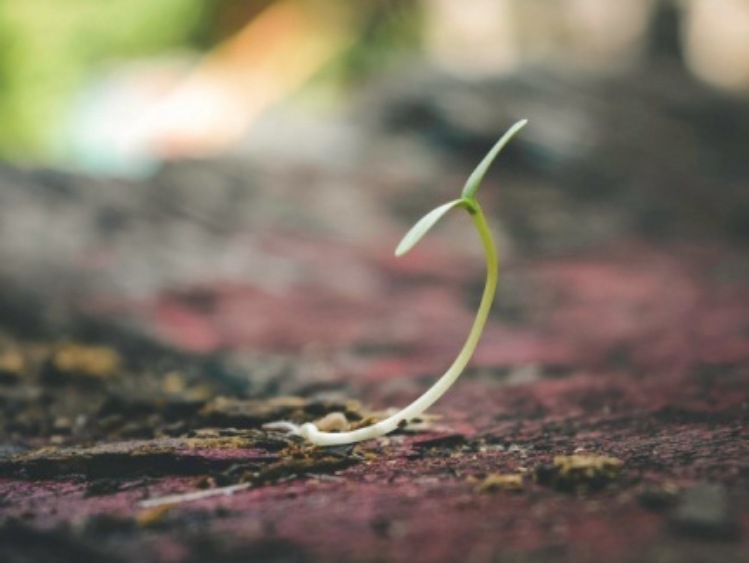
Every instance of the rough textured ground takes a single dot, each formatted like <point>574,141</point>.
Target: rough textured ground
<point>147,331</point>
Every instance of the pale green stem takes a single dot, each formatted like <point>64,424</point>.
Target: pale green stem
<point>415,409</point>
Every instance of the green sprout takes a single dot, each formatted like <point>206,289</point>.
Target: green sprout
<point>468,202</point>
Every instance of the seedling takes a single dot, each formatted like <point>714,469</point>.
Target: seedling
<point>468,202</point>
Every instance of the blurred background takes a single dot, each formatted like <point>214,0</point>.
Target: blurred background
<point>157,156</point>
<point>115,87</point>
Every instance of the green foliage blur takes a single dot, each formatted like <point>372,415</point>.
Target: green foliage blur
<point>49,47</point>
<point>52,50</point>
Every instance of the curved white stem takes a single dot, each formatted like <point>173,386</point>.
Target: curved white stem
<point>415,409</point>
<point>310,432</point>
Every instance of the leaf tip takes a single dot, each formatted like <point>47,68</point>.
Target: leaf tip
<point>474,180</point>
<point>417,232</point>
<point>402,249</point>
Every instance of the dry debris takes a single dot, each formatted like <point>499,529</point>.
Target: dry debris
<point>579,473</point>
<point>502,482</point>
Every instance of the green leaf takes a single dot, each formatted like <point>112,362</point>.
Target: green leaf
<point>422,227</point>
<point>474,180</point>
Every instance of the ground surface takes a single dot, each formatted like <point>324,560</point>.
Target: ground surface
<point>145,338</point>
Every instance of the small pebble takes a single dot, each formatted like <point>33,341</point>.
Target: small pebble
<point>705,512</point>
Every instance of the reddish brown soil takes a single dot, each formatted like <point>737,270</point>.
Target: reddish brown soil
<point>635,352</point>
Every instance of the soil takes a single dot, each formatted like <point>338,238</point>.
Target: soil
<point>147,332</point>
